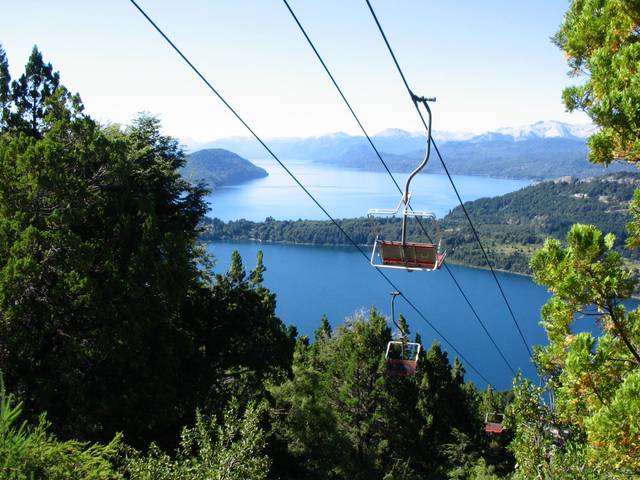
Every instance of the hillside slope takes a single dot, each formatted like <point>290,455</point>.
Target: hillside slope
<point>511,226</point>
<point>492,155</point>
<point>216,167</point>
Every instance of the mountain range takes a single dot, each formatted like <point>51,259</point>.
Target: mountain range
<point>546,149</point>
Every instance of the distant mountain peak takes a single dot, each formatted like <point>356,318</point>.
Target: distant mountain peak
<point>395,141</point>
<point>334,135</point>
<point>548,129</point>
<point>442,136</point>
<point>397,132</point>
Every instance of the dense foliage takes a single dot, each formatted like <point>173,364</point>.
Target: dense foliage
<point>343,416</point>
<point>591,429</point>
<point>601,39</point>
<point>34,452</point>
<point>109,319</point>
<point>233,449</point>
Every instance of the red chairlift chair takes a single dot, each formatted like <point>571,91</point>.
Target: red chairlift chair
<point>403,253</point>
<point>493,423</point>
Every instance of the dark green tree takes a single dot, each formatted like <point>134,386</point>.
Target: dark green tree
<point>5,89</point>
<point>342,415</point>
<point>305,423</point>
<point>30,94</point>
<point>110,319</point>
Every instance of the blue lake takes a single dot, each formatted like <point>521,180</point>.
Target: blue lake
<point>311,281</point>
<point>337,281</point>
<point>344,193</point>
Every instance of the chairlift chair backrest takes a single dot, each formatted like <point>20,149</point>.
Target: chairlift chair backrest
<point>402,357</point>
<point>493,422</point>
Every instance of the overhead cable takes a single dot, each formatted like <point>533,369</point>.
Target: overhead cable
<point>353,113</point>
<point>295,179</point>
<point>455,189</point>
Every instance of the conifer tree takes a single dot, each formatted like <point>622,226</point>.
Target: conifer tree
<point>110,319</point>
<point>30,94</point>
<point>587,373</point>
<point>5,89</point>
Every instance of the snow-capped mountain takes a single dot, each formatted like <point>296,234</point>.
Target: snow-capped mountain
<point>545,149</point>
<point>392,140</point>
<point>441,136</point>
<point>548,129</point>
<point>397,132</point>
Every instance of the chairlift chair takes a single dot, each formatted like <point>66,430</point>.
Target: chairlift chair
<point>403,253</point>
<point>402,358</point>
<point>493,425</point>
<point>402,355</point>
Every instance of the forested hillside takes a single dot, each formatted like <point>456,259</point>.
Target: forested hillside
<point>512,226</point>
<point>215,167</point>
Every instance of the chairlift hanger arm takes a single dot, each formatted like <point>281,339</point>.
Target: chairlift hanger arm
<point>394,294</point>
<point>406,196</point>
<point>425,102</point>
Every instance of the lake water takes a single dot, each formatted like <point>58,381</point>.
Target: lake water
<point>311,281</point>
<point>344,193</point>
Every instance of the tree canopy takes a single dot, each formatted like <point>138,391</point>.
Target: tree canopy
<point>591,376</point>
<point>601,39</point>
<point>110,317</point>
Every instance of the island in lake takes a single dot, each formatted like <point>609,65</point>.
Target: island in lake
<point>215,167</point>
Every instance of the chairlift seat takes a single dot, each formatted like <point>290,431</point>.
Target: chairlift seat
<point>410,255</point>
<point>493,427</point>
<point>402,358</point>
<point>401,368</point>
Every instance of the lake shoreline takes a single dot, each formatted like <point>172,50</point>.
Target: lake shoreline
<point>347,245</point>
<point>345,193</point>
<point>366,247</point>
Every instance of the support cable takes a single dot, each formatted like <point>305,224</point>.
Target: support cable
<point>335,84</point>
<point>275,157</point>
<point>455,189</point>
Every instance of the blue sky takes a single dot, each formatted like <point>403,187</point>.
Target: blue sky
<point>490,63</point>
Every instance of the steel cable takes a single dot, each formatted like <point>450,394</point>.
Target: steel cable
<point>455,189</point>
<point>347,103</point>
<point>295,179</point>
